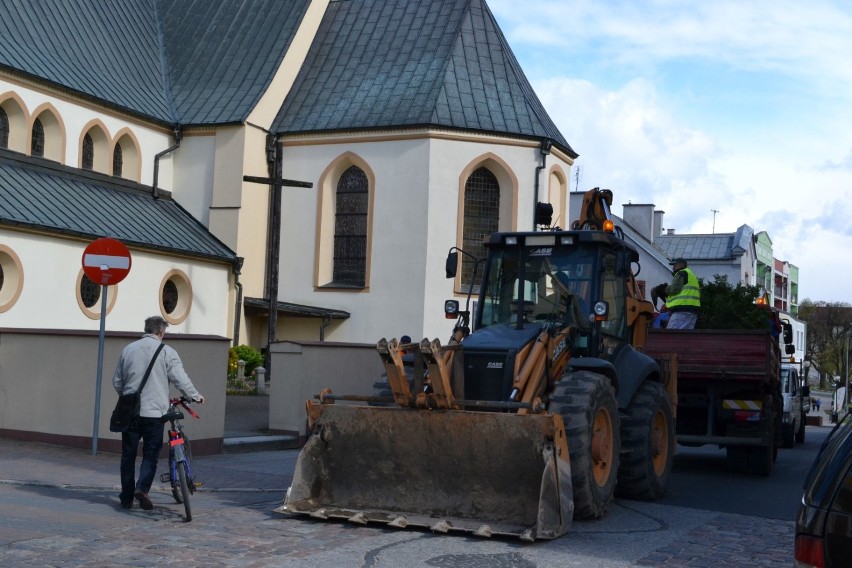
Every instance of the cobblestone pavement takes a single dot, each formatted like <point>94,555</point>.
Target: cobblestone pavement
<point>60,508</point>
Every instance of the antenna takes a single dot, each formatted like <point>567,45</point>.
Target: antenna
<point>714,219</point>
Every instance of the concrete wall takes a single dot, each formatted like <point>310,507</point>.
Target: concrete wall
<point>302,369</point>
<point>48,381</point>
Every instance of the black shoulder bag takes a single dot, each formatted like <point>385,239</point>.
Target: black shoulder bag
<point>127,407</point>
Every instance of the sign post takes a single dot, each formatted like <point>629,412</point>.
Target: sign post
<point>106,262</point>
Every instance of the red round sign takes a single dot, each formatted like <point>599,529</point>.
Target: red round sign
<point>106,261</point>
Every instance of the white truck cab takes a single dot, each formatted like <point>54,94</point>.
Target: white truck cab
<point>797,404</point>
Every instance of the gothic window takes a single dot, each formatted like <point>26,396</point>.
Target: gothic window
<point>350,228</point>
<point>88,152</point>
<point>4,129</point>
<point>481,218</point>
<point>37,147</point>
<point>117,161</point>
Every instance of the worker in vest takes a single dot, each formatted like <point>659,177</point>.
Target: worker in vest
<point>684,297</point>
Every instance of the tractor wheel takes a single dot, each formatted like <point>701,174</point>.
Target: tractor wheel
<point>647,444</point>
<point>587,404</point>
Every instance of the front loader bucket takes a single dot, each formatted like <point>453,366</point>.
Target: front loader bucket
<point>447,470</point>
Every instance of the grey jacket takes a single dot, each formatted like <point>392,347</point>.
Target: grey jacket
<point>167,369</point>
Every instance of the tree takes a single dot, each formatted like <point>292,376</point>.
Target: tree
<point>724,306</point>
<point>828,324</point>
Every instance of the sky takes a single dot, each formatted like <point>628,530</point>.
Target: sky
<point>719,113</point>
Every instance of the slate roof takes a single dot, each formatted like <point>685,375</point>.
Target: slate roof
<point>187,62</point>
<point>719,246</point>
<point>380,64</point>
<point>44,195</point>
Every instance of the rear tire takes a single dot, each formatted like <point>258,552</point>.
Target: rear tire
<point>737,458</point>
<point>647,444</point>
<point>760,460</point>
<point>184,489</point>
<point>587,404</point>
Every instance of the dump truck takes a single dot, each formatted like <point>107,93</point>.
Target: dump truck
<point>728,392</point>
<point>539,408</point>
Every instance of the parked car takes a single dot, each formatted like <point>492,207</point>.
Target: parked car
<point>824,522</point>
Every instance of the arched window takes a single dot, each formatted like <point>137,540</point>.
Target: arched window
<point>37,147</point>
<point>88,152</point>
<point>350,228</point>
<point>117,160</point>
<point>481,218</point>
<point>4,129</point>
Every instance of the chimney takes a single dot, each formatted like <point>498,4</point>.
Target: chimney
<point>575,204</point>
<point>658,224</point>
<point>670,232</point>
<point>641,217</point>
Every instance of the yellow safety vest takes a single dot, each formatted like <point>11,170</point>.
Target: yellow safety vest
<point>689,297</point>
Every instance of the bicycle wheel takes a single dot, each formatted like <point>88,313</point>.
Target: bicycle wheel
<point>184,488</point>
<point>175,482</point>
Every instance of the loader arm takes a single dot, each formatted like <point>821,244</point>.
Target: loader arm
<point>595,210</point>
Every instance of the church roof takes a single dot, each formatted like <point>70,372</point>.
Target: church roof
<point>373,64</point>
<point>46,196</point>
<point>188,62</point>
<point>412,63</point>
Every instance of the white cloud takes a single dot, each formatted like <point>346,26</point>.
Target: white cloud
<point>767,143</point>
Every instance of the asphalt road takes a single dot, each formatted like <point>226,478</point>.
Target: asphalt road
<point>60,508</point>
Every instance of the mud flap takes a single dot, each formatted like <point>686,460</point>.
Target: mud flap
<point>448,470</point>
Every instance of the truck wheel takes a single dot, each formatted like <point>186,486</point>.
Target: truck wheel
<point>760,459</point>
<point>787,435</point>
<point>800,434</point>
<point>647,444</point>
<point>587,404</point>
<point>737,458</point>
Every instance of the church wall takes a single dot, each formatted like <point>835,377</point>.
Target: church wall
<point>75,115</point>
<point>52,267</point>
<point>414,224</point>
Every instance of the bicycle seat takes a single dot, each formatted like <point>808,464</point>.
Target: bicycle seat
<point>171,416</point>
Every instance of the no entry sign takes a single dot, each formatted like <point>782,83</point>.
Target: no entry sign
<point>106,261</point>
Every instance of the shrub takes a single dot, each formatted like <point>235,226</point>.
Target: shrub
<point>247,353</point>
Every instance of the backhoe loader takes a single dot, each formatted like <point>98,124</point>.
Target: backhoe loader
<point>537,416</point>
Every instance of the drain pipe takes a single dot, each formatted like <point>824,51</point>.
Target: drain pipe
<point>237,267</point>
<point>545,150</point>
<point>157,157</point>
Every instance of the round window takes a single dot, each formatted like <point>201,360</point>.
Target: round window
<point>89,296</point>
<point>11,278</point>
<point>175,296</point>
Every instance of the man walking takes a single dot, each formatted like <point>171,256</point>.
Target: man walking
<point>683,296</point>
<point>147,427</point>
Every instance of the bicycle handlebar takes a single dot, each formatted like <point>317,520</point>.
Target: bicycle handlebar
<point>184,402</point>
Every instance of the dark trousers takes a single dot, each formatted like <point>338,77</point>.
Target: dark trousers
<point>150,431</point>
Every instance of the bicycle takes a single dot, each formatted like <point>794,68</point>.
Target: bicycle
<point>180,475</point>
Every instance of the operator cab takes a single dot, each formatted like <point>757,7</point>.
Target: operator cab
<point>559,279</point>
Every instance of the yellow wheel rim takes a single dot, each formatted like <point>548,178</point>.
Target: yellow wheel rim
<point>660,442</point>
<point>602,447</point>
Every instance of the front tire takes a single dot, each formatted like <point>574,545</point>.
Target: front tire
<point>184,489</point>
<point>647,442</point>
<point>800,433</point>
<point>587,404</point>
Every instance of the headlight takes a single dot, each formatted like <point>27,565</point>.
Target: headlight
<point>601,310</point>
